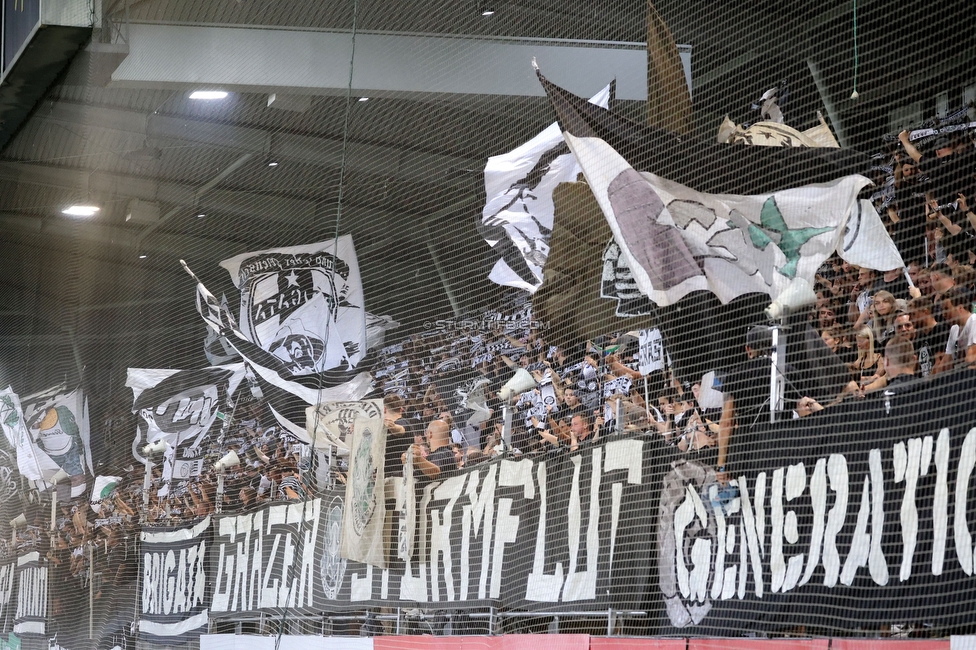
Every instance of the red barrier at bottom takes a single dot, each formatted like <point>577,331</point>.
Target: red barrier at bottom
<point>890,644</point>
<point>758,644</point>
<point>598,643</point>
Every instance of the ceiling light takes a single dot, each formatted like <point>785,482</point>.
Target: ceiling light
<point>142,256</point>
<point>488,12</point>
<point>273,163</point>
<point>208,94</point>
<point>364,99</point>
<point>201,215</point>
<point>81,210</point>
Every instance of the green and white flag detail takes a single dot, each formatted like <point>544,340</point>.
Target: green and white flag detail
<point>57,437</point>
<point>677,240</point>
<point>12,422</point>
<point>362,518</point>
<point>102,489</point>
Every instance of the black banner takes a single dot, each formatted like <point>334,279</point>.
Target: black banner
<point>552,531</point>
<point>175,592</point>
<point>860,516</point>
<point>32,585</point>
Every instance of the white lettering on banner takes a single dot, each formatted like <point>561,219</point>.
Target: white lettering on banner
<point>628,455</point>
<point>818,502</point>
<point>415,587</point>
<point>542,587</point>
<point>6,586</point>
<point>715,529</point>
<point>443,574</point>
<point>963,538</point>
<point>940,502</point>
<point>692,584</point>
<point>908,467</point>
<point>837,473</point>
<point>440,535</point>
<point>32,592</point>
<point>581,585</point>
<point>753,531</point>
<point>266,559</point>
<point>650,352</point>
<point>478,514</point>
<point>173,581</point>
<point>784,525</point>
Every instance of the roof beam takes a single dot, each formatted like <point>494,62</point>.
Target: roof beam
<point>327,152</point>
<point>99,182</point>
<point>311,62</point>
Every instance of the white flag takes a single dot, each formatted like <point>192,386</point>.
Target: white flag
<point>57,436</point>
<point>12,421</point>
<point>406,510</point>
<point>102,489</point>
<point>330,423</point>
<point>677,240</point>
<point>303,304</point>
<point>365,509</point>
<point>866,241</point>
<point>519,211</point>
<point>651,353</point>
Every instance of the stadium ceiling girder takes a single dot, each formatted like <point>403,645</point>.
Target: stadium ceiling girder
<point>248,204</point>
<point>242,203</point>
<point>255,59</point>
<point>313,150</point>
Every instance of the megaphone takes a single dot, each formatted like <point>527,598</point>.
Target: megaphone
<point>154,448</point>
<point>230,459</point>
<point>519,383</point>
<point>60,476</point>
<point>18,521</point>
<point>798,294</point>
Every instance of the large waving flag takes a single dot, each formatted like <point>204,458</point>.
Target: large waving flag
<point>569,298</point>
<point>303,304</point>
<point>54,435</point>
<point>287,392</point>
<point>700,163</point>
<point>517,218</point>
<point>182,408</point>
<point>677,240</point>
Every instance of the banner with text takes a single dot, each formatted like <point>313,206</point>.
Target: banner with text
<point>859,516</point>
<point>175,592</point>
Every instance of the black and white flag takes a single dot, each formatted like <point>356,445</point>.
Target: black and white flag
<point>303,304</point>
<point>286,392</point>
<point>32,595</point>
<point>517,218</point>
<point>331,423</point>
<point>651,355</point>
<point>180,407</point>
<point>8,567</point>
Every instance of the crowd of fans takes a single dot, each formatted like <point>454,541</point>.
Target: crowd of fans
<point>441,387</point>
